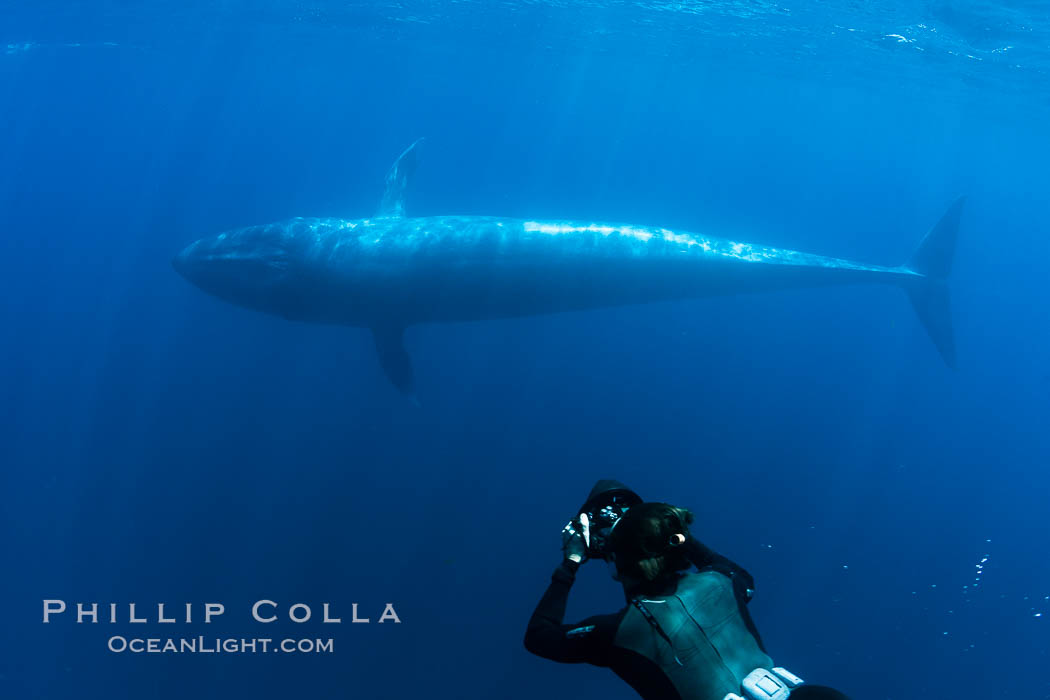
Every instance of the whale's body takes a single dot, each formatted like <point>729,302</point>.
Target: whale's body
<point>392,271</point>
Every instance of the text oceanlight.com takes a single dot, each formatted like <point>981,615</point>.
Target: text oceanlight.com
<point>204,645</point>
<point>262,611</point>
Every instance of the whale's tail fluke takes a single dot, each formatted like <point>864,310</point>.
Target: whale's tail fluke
<point>929,294</point>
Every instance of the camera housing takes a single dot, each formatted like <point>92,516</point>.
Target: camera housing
<point>606,504</point>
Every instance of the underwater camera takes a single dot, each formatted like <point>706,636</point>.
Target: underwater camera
<point>604,507</point>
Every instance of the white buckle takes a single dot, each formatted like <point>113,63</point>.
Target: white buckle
<point>761,684</point>
<point>788,677</point>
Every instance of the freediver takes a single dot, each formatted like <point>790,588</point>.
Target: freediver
<point>681,636</point>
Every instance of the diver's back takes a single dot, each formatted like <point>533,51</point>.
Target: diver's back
<point>697,636</point>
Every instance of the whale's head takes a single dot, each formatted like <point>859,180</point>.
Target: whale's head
<point>250,267</point>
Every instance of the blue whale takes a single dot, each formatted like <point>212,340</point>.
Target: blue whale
<point>390,271</point>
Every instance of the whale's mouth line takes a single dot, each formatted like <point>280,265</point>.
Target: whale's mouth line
<point>275,259</point>
<point>229,257</point>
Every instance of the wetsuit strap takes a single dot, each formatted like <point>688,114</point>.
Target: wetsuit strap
<point>656,626</point>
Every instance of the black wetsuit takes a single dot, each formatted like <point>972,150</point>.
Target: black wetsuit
<point>592,640</point>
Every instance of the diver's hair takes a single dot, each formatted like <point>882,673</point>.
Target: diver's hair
<point>642,541</point>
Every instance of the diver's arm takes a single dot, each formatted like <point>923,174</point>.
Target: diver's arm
<point>546,636</point>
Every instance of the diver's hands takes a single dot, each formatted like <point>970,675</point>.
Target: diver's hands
<point>573,546</point>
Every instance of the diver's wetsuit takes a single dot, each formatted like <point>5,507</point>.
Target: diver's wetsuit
<point>594,640</point>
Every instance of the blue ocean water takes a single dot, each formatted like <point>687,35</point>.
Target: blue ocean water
<point>161,446</point>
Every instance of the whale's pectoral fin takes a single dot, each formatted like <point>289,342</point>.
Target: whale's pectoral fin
<point>393,202</point>
<point>394,359</point>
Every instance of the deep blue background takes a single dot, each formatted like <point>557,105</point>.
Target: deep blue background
<point>158,445</point>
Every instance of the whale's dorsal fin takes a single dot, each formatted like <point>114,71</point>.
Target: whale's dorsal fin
<point>393,202</point>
